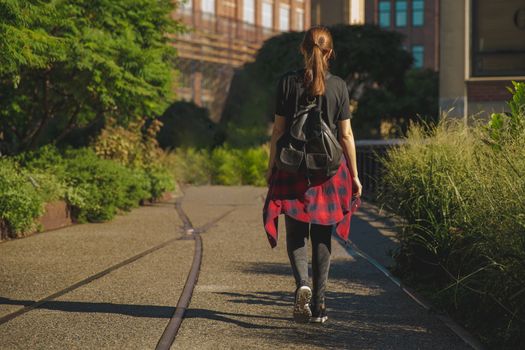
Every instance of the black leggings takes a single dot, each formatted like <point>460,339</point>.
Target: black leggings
<point>297,233</point>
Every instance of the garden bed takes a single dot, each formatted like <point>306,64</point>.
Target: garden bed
<point>57,214</point>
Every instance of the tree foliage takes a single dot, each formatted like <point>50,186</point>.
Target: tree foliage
<point>187,125</point>
<point>67,64</point>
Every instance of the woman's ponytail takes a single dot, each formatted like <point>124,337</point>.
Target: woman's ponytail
<point>317,48</point>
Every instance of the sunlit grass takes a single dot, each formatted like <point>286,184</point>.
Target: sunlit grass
<point>464,204</point>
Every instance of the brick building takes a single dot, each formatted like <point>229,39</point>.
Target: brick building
<point>225,35</point>
<point>482,51</point>
<point>418,20</point>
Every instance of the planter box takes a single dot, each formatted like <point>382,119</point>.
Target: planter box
<point>3,230</point>
<point>56,215</point>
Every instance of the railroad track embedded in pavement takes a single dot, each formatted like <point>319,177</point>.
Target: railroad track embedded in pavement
<point>170,332</point>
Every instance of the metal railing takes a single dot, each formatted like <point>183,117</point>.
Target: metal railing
<point>369,167</point>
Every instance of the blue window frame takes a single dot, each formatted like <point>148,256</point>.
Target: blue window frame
<point>401,13</point>
<point>418,13</point>
<point>418,53</point>
<point>385,9</point>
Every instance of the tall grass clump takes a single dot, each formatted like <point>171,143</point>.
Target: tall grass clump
<point>461,191</point>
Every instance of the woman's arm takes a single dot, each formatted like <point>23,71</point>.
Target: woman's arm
<point>279,127</point>
<point>346,139</point>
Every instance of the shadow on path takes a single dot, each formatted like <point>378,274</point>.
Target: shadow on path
<point>366,312</point>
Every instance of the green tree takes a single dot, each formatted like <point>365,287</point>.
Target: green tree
<point>66,65</point>
<point>187,125</point>
<point>418,101</point>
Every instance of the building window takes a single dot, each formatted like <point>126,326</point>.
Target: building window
<point>284,18</point>
<point>186,5</point>
<point>208,6</point>
<point>401,13</point>
<point>299,19</point>
<point>267,15</point>
<point>418,53</point>
<point>384,13</point>
<point>418,13</point>
<point>356,12</point>
<point>248,9</point>
<point>498,48</point>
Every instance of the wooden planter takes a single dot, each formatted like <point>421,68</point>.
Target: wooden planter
<point>56,215</point>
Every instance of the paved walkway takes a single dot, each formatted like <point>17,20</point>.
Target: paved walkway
<point>243,297</point>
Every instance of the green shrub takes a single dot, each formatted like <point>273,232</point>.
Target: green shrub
<point>161,181</point>
<point>222,166</point>
<point>48,186</point>
<point>45,159</point>
<point>189,165</point>
<point>20,203</point>
<point>253,163</point>
<point>95,188</point>
<point>226,166</point>
<point>103,186</point>
<point>137,148</point>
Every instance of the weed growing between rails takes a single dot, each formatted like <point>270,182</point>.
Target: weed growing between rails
<point>460,190</point>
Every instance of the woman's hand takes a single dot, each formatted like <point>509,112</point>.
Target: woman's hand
<point>357,188</point>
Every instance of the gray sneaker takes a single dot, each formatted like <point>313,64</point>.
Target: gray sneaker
<point>319,314</point>
<point>301,309</point>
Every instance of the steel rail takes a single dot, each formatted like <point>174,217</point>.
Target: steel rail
<point>170,332</point>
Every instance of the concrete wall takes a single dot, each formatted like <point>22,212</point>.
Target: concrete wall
<point>330,12</point>
<point>461,93</point>
<point>453,51</point>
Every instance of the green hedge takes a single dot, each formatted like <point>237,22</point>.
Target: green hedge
<point>20,203</point>
<point>95,188</point>
<point>103,186</point>
<point>461,192</point>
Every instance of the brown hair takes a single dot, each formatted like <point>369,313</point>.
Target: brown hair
<point>317,49</point>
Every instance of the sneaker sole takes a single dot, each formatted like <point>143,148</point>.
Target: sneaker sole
<point>319,319</point>
<point>301,310</point>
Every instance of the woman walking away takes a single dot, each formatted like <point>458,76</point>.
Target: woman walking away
<point>312,172</point>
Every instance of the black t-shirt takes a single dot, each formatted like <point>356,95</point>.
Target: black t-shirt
<point>335,106</point>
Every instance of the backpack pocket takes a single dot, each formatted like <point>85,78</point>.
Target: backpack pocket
<point>317,161</point>
<point>290,159</point>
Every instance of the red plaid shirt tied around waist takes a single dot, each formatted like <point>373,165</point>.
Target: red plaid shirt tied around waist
<point>323,201</point>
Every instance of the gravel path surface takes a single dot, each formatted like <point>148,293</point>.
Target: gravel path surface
<point>125,309</point>
<point>244,296</point>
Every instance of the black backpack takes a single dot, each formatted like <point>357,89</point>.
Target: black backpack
<point>309,145</point>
